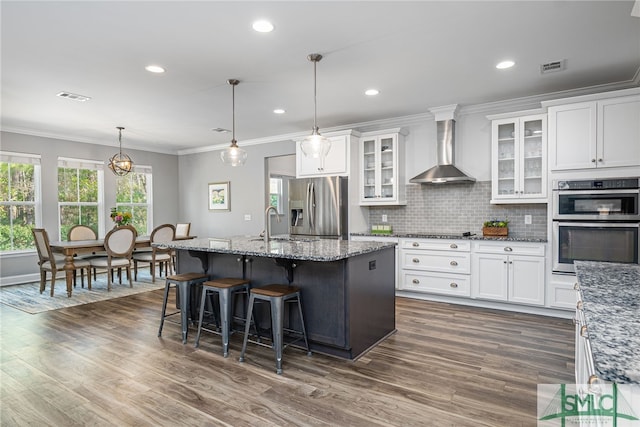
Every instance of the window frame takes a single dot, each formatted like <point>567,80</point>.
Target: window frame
<point>148,171</point>
<point>35,160</point>
<point>71,163</point>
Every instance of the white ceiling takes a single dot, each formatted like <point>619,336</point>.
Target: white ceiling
<point>419,54</point>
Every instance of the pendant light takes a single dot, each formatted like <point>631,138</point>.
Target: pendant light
<point>120,164</point>
<point>233,155</point>
<point>315,145</point>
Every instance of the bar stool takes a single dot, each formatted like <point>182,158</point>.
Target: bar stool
<point>183,283</point>
<point>227,289</point>
<point>276,295</point>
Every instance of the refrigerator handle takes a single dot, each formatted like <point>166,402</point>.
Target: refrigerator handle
<point>311,198</point>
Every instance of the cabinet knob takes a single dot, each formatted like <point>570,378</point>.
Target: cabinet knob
<point>504,262</point>
<point>574,320</point>
<point>579,305</point>
<point>600,160</point>
<point>415,281</point>
<point>583,331</point>
<point>508,249</point>
<point>415,244</point>
<point>453,285</point>
<point>453,263</point>
<point>593,160</point>
<point>453,246</point>
<point>416,260</point>
<point>576,286</point>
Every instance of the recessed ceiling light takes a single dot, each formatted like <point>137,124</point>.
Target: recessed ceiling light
<point>154,69</point>
<point>505,64</point>
<point>371,92</point>
<point>279,111</point>
<point>263,26</point>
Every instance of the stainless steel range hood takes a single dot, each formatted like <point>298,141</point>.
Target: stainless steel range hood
<point>445,171</point>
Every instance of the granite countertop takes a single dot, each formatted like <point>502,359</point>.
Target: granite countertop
<point>611,304</point>
<point>431,235</point>
<point>281,247</point>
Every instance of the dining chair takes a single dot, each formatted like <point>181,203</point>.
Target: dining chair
<point>119,244</point>
<point>182,230</point>
<point>83,232</point>
<point>162,233</point>
<point>48,262</point>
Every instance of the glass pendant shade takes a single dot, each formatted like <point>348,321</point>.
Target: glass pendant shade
<point>315,145</point>
<point>233,155</point>
<point>120,164</point>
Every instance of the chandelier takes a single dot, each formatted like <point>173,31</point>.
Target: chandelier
<point>120,164</point>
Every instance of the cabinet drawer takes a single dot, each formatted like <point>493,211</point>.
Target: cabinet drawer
<point>447,262</point>
<point>436,244</point>
<point>510,248</point>
<point>439,283</point>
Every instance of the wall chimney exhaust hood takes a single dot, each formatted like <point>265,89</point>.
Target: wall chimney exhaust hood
<point>445,171</point>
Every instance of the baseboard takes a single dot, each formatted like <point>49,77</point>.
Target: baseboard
<point>17,280</point>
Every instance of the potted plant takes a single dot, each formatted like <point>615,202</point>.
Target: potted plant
<point>496,228</point>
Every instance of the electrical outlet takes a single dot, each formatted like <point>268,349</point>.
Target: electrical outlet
<point>247,217</point>
<point>384,218</point>
<point>527,219</point>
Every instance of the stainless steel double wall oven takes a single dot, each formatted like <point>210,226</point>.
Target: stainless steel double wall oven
<point>595,220</point>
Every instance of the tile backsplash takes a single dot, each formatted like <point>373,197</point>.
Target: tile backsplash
<point>456,208</point>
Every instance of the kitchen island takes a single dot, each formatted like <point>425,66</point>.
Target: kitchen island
<point>610,295</point>
<point>347,287</point>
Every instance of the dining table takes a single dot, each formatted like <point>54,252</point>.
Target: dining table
<point>71,249</point>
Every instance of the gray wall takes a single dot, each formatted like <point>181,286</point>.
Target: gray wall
<point>246,188</point>
<point>165,185</point>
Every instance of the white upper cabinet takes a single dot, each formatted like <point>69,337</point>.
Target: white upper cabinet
<point>382,168</point>
<point>518,159</point>
<point>335,163</point>
<point>601,133</point>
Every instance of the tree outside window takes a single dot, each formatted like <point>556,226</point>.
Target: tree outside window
<point>134,196</point>
<point>79,194</point>
<point>19,200</point>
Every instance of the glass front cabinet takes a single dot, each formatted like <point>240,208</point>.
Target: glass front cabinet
<point>381,168</point>
<point>518,159</point>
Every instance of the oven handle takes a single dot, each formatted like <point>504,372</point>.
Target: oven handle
<point>603,224</point>
<point>598,192</point>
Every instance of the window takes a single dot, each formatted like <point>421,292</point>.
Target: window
<point>79,194</point>
<point>19,200</point>
<point>134,196</point>
<point>275,193</point>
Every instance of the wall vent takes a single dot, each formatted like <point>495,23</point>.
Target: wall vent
<point>73,96</point>
<point>552,67</point>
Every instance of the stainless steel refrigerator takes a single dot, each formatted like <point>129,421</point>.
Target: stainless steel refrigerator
<point>318,207</point>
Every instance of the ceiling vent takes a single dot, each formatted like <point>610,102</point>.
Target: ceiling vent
<point>552,67</point>
<point>73,96</point>
<point>221,130</point>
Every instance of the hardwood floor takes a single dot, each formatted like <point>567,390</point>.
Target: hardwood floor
<point>102,364</point>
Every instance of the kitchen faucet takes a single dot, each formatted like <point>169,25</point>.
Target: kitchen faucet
<point>267,223</point>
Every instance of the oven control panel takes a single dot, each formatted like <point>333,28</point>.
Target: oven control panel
<point>599,184</point>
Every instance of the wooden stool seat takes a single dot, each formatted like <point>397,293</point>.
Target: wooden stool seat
<point>183,283</point>
<point>276,295</point>
<point>226,288</point>
<point>275,290</point>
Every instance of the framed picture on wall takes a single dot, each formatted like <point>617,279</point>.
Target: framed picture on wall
<point>219,196</point>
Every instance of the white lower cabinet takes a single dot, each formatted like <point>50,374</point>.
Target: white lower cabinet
<point>438,266</point>
<point>561,292</point>
<point>508,271</point>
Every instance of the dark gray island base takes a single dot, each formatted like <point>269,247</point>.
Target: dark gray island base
<point>348,293</point>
